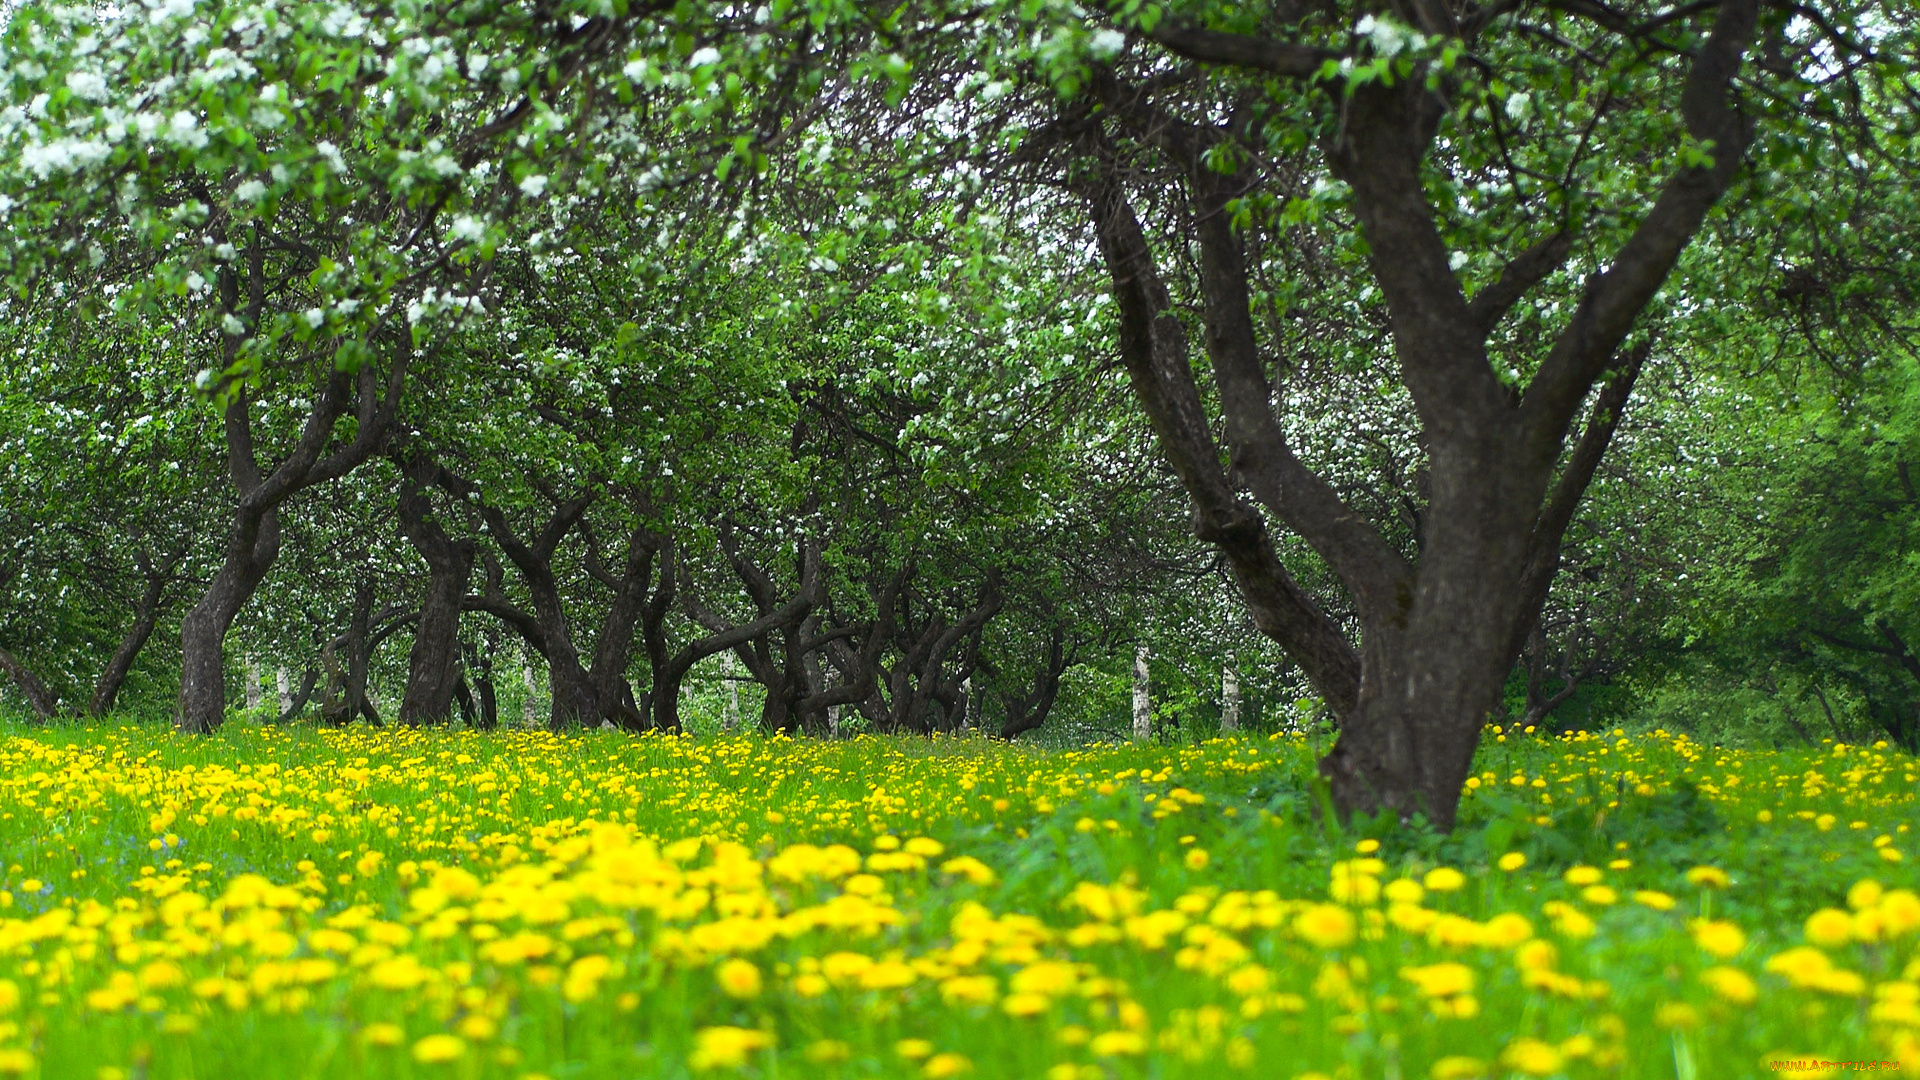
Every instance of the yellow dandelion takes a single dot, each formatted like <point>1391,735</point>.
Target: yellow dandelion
<point>738,978</point>
<point>438,1049</point>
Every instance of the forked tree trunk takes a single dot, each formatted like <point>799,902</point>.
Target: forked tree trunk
<point>1439,632</point>
<point>1027,711</point>
<point>254,539</point>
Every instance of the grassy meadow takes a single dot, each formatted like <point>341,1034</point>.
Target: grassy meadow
<point>295,902</point>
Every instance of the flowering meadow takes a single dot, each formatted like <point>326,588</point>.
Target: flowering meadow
<point>277,902</point>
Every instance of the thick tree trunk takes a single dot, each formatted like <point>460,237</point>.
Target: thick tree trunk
<point>254,544</point>
<point>630,608</point>
<point>575,699</point>
<point>748,641</point>
<point>433,663</point>
<point>254,540</point>
<point>1438,637</point>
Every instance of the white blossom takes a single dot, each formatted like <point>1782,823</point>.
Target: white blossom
<point>532,186</point>
<point>250,191</point>
<point>1389,37</point>
<point>1106,43</point>
<point>183,130</point>
<point>469,228</point>
<point>62,155</point>
<point>90,85</point>
<point>224,64</point>
<point>705,57</point>
<point>332,155</point>
<point>314,316</point>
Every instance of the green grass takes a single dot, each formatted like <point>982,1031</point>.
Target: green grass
<point>300,902</point>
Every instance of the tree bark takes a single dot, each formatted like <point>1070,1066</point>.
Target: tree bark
<point>39,698</point>
<point>251,548</point>
<point>298,701</point>
<point>433,662</point>
<point>1438,637</point>
<point>1142,706</point>
<point>1229,696</point>
<point>631,605</point>
<point>253,539</point>
<point>359,644</point>
<point>145,618</point>
<point>1026,712</point>
<point>746,640</point>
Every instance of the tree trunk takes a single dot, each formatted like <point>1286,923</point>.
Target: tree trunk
<point>146,618</point>
<point>285,687</point>
<point>39,698</point>
<point>433,663</point>
<point>480,666</point>
<point>251,549</point>
<point>1438,634</point>
<point>749,641</point>
<point>630,608</point>
<point>254,540</point>
<point>529,706</point>
<point>1230,696</point>
<point>1026,712</point>
<point>295,702</point>
<point>360,654</point>
<point>1142,709</point>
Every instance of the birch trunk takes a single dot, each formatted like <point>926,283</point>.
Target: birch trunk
<point>1142,714</point>
<point>1230,696</point>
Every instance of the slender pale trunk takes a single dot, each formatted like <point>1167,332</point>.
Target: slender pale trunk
<point>284,685</point>
<point>731,718</point>
<point>253,686</point>
<point>1230,696</point>
<point>529,708</point>
<point>833,711</point>
<point>1142,711</point>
